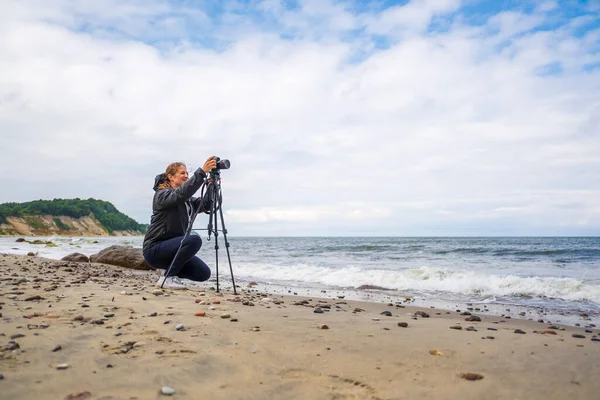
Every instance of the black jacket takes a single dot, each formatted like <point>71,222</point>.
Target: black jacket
<point>170,214</point>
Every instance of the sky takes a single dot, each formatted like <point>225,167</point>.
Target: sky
<point>340,118</point>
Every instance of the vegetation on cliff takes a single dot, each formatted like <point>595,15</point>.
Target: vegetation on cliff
<point>106,213</point>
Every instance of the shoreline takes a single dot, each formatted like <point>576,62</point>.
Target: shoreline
<point>117,334</point>
<point>544,308</point>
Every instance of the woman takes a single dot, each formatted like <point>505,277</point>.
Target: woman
<point>172,209</point>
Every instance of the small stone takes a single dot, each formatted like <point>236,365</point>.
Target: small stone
<point>62,366</point>
<point>471,376</point>
<point>137,345</point>
<point>167,391</point>
<point>471,329</point>
<point>154,314</point>
<point>17,336</point>
<point>578,336</point>
<point>548,332</point>
<point>319,310</point>
<point>403,324</point>
<point>387,313</point>
<point>473,318</point>
<point>57,348</point>
<point>422,314</point>
<point>224,316</point>
<point>234,320</point>
<point>157,292</point>
<point>519,331</point>
<point>490,337</point>
<point>78,318</point>
<point>200,314</point>
<point>323,326</point>
<point>457,327</point>
<point>256,329</point>
<point>109,315</point>
<point>180,327</point>
<point>79,396</point>
<point>1,376</point>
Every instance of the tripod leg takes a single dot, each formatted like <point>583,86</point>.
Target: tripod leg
<point>216,231</point>
<point>226,244</point>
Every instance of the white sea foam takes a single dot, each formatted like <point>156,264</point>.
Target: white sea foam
<point>428,279</point>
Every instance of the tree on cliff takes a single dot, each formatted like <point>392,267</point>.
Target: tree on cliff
<point>106,213</point>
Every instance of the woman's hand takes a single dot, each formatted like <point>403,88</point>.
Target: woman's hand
<point>209,164</point>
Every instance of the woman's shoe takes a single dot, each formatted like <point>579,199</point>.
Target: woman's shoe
<point>170,282</point>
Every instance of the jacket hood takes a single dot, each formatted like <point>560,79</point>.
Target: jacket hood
<point>158,180</point>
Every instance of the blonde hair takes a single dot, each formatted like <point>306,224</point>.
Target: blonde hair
<point>171,170</point>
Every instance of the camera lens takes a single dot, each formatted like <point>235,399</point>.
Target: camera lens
<point>223,164</point>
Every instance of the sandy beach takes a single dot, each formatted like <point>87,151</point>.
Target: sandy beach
<point>94,331</point>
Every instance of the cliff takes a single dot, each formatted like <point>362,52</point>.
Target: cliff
<point>66,217</point>
<point>48,225</point>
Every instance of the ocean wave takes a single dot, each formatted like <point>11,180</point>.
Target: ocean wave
<point>428,279</point>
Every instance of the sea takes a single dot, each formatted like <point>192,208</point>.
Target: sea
<point>554,279</point>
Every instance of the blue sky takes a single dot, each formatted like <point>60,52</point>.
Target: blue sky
<point>422,117</point>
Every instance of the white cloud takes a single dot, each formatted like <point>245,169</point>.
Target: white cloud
<point>443,129</point>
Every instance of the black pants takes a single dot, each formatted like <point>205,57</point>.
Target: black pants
<point>187,265</point>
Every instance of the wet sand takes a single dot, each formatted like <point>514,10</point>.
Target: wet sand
<point>93,331</point>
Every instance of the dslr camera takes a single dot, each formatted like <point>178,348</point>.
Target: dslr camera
<point>221,164</point>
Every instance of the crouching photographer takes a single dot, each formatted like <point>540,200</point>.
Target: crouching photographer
<point>172,210</point>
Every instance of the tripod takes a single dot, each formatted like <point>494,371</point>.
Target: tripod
<point>215,196</point>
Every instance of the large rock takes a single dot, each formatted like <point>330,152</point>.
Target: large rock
<point>123,256</point>
<point>76,257</point>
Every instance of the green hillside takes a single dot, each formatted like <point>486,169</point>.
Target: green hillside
<point>106,213</point>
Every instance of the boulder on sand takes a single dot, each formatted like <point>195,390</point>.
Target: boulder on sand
<point>76,257</point>
<point>122,256</point>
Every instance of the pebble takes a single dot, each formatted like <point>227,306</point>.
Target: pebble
<point>139,344</point>
<point>62,366</point>
<point>457,327</point>
<point>471,376</point>
<point>57,348</point>
<point>323,326</point>
<point>157,292</point>
<point>387,313</point>
<point>109,315</point>
<point>319,310</point>
<point>225,316</point>
<point>79,396</point>
<point>422,314</point>
<point>1,376</point>
<point>200,314</point>
<point>167,390</point>
<point>17,336</point>
<point>180,327</point>
<point>212,308</point>
<point>519,331</point>
<point>234,320</point>
<point>375,319</point>
<point>578,336</point>
<point>403,324</point>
